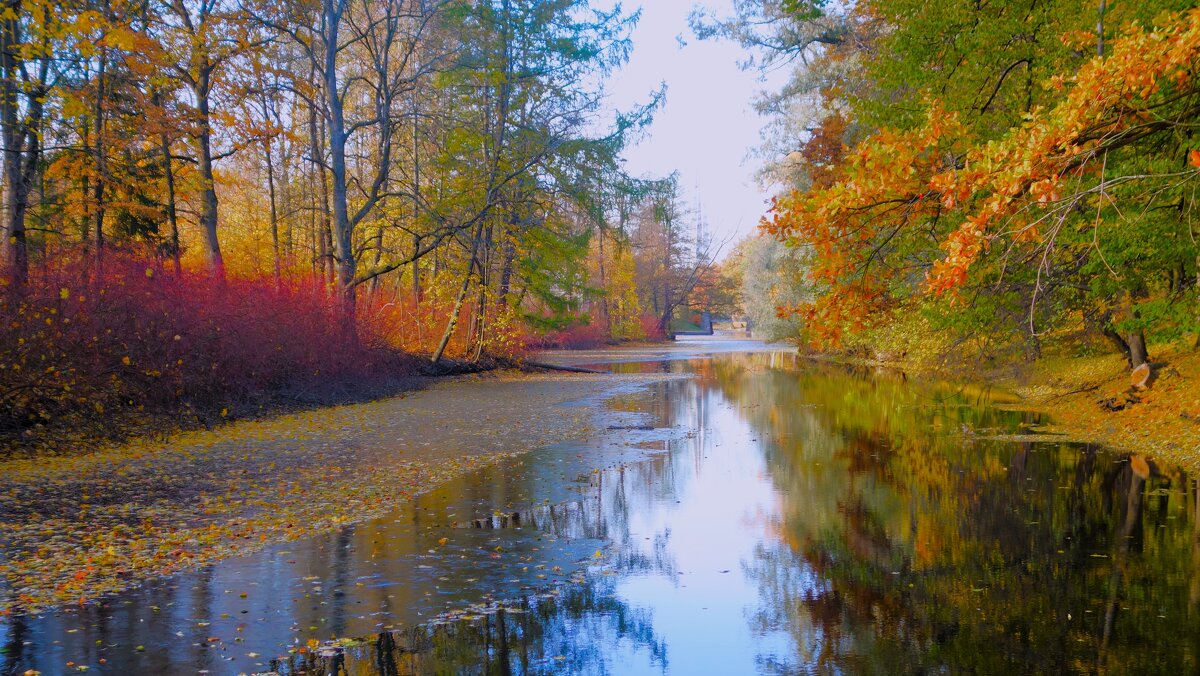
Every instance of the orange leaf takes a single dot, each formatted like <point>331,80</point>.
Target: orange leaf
<point>1194,158</point>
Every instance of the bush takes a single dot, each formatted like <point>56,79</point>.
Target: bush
<point>83,348</point>
<point>650,328</point>
<point>582,336</point>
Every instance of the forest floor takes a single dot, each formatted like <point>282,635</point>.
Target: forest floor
<point>76,526</point>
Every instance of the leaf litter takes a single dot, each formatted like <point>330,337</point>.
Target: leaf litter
<point>78,527</point>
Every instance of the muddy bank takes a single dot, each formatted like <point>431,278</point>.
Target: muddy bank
<point>1091,399</point>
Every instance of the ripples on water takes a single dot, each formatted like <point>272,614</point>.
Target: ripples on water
<point>780,517</point>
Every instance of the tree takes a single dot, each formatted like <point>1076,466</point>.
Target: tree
<point>1037,197</point>
<point>199,39</point>
<point>28,46</point>
<point>364,57</point>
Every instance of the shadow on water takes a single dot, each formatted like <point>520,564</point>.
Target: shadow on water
<point>767,515</point>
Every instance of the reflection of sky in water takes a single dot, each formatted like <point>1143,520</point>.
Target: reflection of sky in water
<point>783,517</point>
<point>700,601</point>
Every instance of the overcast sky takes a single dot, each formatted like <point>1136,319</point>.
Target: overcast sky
<point>708,125</point>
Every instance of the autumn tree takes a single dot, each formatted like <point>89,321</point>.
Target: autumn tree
<point>199,40</point>
<point>1034,202</point>
<point>30,37</point>
<point>673,254</point>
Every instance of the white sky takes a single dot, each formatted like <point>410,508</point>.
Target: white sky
<point>708,125</point>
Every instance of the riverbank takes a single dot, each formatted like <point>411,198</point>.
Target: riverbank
<point>79,526</point>
<point>391,373</point>
<point>1090,398</point>
<point>92,356</point>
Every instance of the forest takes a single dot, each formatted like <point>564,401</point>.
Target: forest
<point>990,180</point>
<point>206,200</point>
<point>349,336</point>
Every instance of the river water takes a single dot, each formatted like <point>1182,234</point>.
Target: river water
<point>754,513</point>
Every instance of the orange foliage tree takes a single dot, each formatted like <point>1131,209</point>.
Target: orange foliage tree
<point>1035,197</point>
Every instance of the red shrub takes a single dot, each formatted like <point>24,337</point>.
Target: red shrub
<point>651,329</point>
<point>80,349</point>
<point>582,336</point>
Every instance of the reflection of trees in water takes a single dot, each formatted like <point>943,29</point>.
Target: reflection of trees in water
<point>317,582</point>
<point>575,632</point>
<point>907,539</point>
<point>587,626</point>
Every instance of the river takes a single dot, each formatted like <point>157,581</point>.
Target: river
<point>754,513</point>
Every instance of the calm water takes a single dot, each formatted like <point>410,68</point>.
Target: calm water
<point>765,516</point>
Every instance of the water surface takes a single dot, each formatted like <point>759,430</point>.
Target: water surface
<point>766,515</point>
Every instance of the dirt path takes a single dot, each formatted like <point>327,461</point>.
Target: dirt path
<point>76,527</point>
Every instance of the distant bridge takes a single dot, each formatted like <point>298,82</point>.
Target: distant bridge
<point>706,327</point>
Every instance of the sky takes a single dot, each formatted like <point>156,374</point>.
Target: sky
<point>708,125</point>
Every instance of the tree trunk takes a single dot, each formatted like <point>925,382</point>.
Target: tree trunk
<point>85,187</point>
<point>21,146</point>
<point>664,321</point>
<point>378,250</point>
<point>274,210</point>
<point>452,322</point>
<point>506,271</point>
<point>341,233</point>
<point>604,310</point>
<point>1136,352</point>
<point>172,216</point>
<point>97,196</point>
<point>285,198</point>
<point>320,221</point>
<point>480,324</point>
<point>314,253</point>
<point>16,193</point>
<point>416,269</point>
<point>1138,355</point>
<point>325,232</point>
<point>208,189</point>
<point>416,264</point>
<point>1117,341</point>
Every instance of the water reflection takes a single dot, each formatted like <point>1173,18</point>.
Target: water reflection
<point>906,537</point>
<point>796,519</point>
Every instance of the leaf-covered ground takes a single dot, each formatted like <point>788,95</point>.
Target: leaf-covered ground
<point>1162,422</point>
<point>73,528</point>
